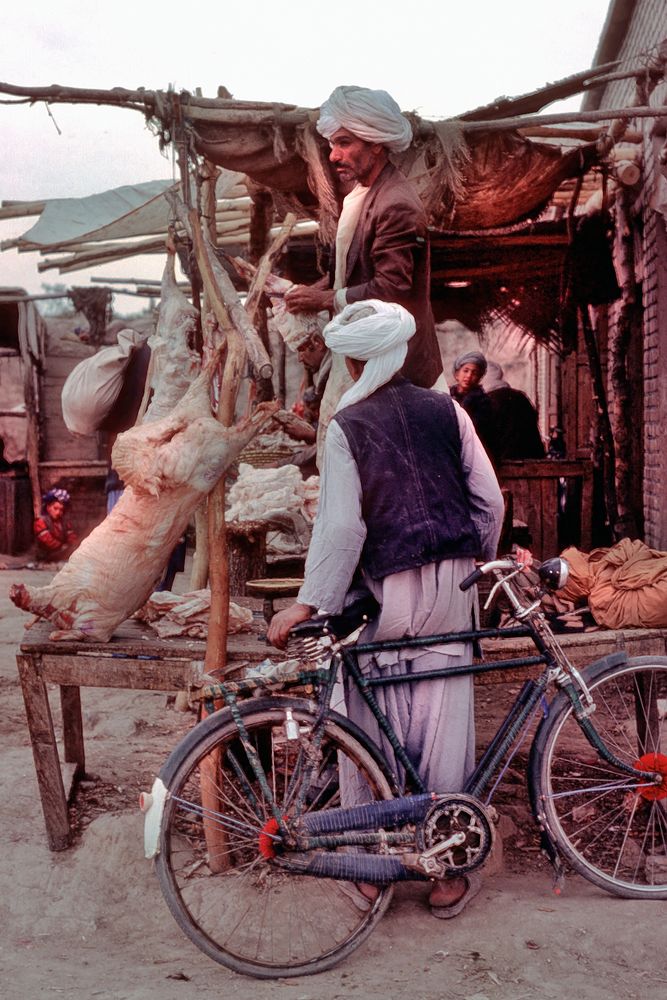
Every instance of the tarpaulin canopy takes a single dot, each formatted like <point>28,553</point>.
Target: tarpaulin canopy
<point>132,210</point>
<point>501,177</point>
<point>122,213</point>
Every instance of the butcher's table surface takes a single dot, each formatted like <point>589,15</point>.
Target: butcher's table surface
<point>135,658</point>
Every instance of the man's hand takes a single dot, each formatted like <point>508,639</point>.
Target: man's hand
<point>308,298</point>
<point>297,428</point>
<point>283,621</point>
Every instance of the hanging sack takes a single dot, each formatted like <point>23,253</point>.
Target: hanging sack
<point>92,388</point>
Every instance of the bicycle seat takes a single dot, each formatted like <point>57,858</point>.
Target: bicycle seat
<point>350,618</point>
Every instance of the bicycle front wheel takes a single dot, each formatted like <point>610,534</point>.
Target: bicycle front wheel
<point>215,862</point>
<point>611,827</point>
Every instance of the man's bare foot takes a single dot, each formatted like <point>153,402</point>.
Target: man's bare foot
<point>368,890</point>
<point>448,891</point>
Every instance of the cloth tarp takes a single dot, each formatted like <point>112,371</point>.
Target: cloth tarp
<point>625,585</point>
<point>507,178</point>
<point>31,339</point>
<point>122,213</point>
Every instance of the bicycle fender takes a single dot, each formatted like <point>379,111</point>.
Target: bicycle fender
<point>152,805</point>
<point>217,720</point>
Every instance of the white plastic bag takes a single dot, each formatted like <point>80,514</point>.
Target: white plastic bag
<point>92,388</point>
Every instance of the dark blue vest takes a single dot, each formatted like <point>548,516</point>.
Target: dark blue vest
<point>407,447</point>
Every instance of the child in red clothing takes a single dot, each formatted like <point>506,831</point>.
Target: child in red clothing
<point>54,537</point>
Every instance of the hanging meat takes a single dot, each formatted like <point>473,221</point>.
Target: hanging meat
<point>168,464</point>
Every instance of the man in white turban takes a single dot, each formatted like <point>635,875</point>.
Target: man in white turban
<point>408,499</point>
<point>381,249</point>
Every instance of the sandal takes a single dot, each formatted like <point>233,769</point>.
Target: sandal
<point>446,912</point>
<point>356,897</point>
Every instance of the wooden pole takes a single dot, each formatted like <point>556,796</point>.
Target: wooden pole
<point>621,414</point>
<point>201,559</point>
<point>256,289</point>
<point>217,571</point>
<point>32,409</point>
<point>232,112</point>
<point>604,438</point>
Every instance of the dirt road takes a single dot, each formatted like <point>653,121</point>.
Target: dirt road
<point>91,922</point>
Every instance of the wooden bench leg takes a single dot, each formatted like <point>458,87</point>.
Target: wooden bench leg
<point>70,702</point>
<point>45,753</point>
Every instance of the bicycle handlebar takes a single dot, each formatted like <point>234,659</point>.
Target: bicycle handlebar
<point>485,568</point>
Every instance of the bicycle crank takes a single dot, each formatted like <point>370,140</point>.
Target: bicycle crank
<point>455,837</point>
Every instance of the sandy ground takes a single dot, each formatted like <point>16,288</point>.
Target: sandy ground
<point>91,922</point>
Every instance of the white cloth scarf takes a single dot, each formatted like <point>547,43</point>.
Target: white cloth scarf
<point>375,332</point>
<point>371,115</point>
<point>349,217</point>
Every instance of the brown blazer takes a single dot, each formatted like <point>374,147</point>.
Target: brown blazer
<point>389,259</point>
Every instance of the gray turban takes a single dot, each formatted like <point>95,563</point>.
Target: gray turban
<point>371,115</point>
<point>471,358</point>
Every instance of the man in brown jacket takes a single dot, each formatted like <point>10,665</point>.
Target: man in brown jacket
<point>382,249</point>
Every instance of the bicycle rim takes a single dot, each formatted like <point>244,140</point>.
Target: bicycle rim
<point>611,827</point>
<point>215,866</point>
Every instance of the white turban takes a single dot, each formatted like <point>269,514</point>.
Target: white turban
<point>371,115</point>
<point>375,332</point>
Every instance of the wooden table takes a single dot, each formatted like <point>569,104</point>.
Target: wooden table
<point>134,658</point>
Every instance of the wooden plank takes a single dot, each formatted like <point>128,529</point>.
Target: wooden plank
<point>151,675</point>
<point>132,640</point>
<point>70,703</point>
<point>45,754</point>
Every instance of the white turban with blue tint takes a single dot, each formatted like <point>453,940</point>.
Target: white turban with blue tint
<point>375,332</point>
<point>371,115</point>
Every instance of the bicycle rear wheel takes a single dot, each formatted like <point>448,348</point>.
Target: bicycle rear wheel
<point>215,866</point>
<point>611,828</point>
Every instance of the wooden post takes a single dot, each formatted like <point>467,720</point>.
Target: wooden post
<point>603,434</point>
<point>621,396</point>
<point>200,564</point>
<point>210,772</point>
<point>45,753</point>
<point>32,407</point>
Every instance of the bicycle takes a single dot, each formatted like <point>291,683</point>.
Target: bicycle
<point>258,860</point>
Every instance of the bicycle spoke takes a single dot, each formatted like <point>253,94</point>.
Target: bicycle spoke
<point>243,909</point>
<point>611,827</point>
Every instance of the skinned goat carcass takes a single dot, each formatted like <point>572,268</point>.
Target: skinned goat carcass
<point>168,466</point>
<point>169,463</point>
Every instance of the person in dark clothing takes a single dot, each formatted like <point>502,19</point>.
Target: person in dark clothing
<point>469,369</point>
<point>55,540</point>
<point>516,427</point>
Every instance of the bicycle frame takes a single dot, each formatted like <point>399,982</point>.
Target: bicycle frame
<point>345,824</point>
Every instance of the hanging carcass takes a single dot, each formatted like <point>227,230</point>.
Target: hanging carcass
<point>169,462</point>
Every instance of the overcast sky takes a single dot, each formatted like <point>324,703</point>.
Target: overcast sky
<point>436,57</point>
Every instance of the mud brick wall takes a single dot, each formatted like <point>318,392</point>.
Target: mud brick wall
<point>647,28</point>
